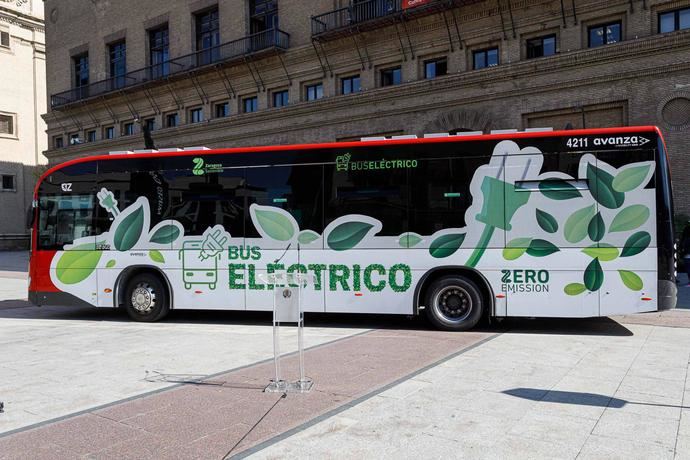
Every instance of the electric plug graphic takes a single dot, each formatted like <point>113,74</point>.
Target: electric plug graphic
<point>107,200</point>
<point>496,192</point>
<point>214,243</point>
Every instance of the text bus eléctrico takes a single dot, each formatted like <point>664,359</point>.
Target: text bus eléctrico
<point>542,224</point>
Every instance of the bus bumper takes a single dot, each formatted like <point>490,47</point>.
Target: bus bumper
<point>668,295</point>
<point>57,299</point>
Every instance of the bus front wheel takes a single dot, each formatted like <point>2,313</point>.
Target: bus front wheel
<point>454,303</point>
<point>146,298</point>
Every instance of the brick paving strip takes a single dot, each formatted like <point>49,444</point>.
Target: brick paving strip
<point>207,420</point>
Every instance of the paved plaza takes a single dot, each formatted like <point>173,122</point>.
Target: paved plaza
<point>89,383</point>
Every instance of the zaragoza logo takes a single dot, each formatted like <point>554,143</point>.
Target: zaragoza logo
<point>198,166</point>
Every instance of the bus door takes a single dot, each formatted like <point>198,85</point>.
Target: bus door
<point>546,236</point>
<point>628,210</point>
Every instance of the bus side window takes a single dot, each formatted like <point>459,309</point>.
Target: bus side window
<point>440,193</point>
<point>199,202</point>
<point>382,194</point>
<point>297,189</point>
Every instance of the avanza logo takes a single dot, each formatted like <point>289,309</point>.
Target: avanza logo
<point>198,166</point>
<point>621,141</point>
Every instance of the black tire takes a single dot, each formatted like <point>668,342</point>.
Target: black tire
<point>454,303</point>
<point>146,298</point>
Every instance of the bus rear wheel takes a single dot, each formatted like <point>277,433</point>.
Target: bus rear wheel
<point>454,303</point>
<point>146,298</point>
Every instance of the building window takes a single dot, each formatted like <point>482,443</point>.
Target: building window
<point>196,115</point>
<point>4,39</point>
<point>207,37</point>
<point>159,51</point>
<point>250,104</point>
<point>128,129</point>
<point>109,132</point>
<point>58,142</point>
<point>671,21</point>
<point>263,15</point>
<point>91,136</point>
<point>314,92</point>
<point>7,124</point>
<point>74,139</point>
<point>604,34</point>
<point>118,63</point>
<point>172,120</point>
<point>350,84</point>
<point>281,98</point>
<point>392,76</point>
<point>150,124</point>
<point>81,70</point>
<point>222,109</point>
<point>435,68</point>
<point>541,46</point>
<point>8,182</point>
<point>485,58</point>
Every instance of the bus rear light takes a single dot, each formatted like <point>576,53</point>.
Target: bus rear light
<point>646,299</point>
<point>107,290</point>
<point>198,292</point>
<point>500,296</point>
<point>358,294</point>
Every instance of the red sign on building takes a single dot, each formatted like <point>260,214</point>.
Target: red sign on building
<point>414,3</point>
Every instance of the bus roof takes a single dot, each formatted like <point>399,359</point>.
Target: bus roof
<point>354,144</point>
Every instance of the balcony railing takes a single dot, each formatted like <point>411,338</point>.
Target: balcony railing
<point>268,40</point>
<point>374,13</point>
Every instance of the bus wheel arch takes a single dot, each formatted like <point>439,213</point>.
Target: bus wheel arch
<point>138,271</point>
<point>427,281</point>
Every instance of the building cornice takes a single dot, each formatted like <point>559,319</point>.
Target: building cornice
<point>25,21</point>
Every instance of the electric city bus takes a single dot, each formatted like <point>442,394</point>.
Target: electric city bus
<point>573,223</point>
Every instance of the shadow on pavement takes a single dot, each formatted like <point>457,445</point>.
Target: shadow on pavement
<point>578,398</point>
<point>589,326</point>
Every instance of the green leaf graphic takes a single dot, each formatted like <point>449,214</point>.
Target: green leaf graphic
<point>630,218</point>
<point>156,256</point>
<point>307,236</point>
<point>637,243</point>
<point>594,276</point>
<point>575,289</point>
<point>600,185</point>
<point>631,280</point>
<point>516,248</point>
<point>576,226</point>
<point>546,221</point>
<point>409,240</point>
<point>541,248</point>
<point>275,224</point>
<point>445,245</point>
<point>166,234</point>
<point>558,189</point>
<point>129,230</point>
<point>596,228</point>
<point>630,178</point>
<point>110,264</point>
<point>77,264</point>
<point>347,235</point>
<point>602,251</point>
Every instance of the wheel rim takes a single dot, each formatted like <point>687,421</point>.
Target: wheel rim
<point>143,298</point>
<point>452,304</point>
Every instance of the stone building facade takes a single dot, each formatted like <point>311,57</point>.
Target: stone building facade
<point>297,71</point>
<point>22,102</point>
